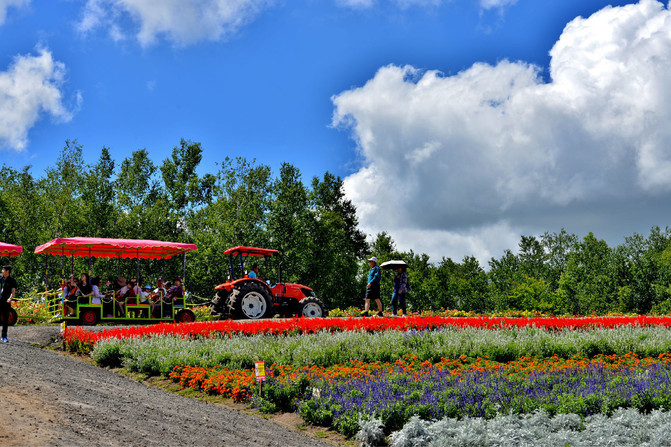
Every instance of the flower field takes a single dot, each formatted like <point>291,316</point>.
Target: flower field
<point>341,373</point>
<point>31,312</point>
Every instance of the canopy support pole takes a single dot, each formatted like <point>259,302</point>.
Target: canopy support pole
<point>46,278</point>
<point>62,262</point>
<point>138,267</point>
<point>89,261</point>
<point>183,268</point>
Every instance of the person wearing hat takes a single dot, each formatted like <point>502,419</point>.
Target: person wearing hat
<point>120,296</point>
<point>172,295</point>
<point>373,287</point>
<point>144,293</point>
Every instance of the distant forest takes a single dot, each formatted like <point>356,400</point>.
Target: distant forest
<point>316,229</point>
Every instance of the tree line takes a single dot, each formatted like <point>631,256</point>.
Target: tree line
<point>316,229</point>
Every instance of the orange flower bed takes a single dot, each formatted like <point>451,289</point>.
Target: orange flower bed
<point>240,385</point>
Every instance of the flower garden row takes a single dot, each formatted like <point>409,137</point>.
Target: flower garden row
<point>336,372</point>
<point>340,395</point>
<point>78,339</point>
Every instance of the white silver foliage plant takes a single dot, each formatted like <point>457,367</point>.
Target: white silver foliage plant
<point>414,434</point>
<point>626,427</point>
<point>371,433</point>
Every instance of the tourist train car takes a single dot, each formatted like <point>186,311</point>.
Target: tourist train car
<point>112,306</point>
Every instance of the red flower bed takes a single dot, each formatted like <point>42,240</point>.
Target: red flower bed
<point>78,339</point>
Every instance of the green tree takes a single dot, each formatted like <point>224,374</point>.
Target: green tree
<point>336,245</point>
<point>289,223</point>
<point>100,210</point>
<point>184,188</point>
<point>588,284</point>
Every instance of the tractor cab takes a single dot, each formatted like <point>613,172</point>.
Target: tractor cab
<point>246,295</point>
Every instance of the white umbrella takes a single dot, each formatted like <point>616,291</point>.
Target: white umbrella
<point>393,265</point>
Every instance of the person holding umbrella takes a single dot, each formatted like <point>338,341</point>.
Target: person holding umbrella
<point>400,289</point>
<point>373,288</point>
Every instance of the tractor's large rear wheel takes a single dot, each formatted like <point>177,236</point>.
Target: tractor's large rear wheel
<point>312,307</point>
<point>250,301</point>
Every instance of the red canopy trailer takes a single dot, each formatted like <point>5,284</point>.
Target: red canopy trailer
<point>10,250</point>
<point>113,248</point>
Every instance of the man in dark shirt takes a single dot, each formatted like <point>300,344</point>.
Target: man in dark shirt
<point>7,291</point>
<point>373,287</point>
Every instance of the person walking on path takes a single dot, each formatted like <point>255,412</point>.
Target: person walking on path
<point>373,287</point>
<point>400,289</point>
<point>7,291</point>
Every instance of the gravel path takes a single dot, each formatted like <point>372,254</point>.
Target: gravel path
<point>50,399</point>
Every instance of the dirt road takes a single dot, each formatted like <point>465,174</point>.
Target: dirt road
<point>50,399</point>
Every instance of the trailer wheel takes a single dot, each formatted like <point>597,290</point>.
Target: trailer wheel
<point>88,317</point>
<point>251,301</point>
<point>185,316</point>
<point>312,307</point>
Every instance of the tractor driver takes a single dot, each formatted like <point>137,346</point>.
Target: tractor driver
<point>254,272</point>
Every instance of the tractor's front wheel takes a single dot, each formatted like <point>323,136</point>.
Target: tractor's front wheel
<point>250,301</point>
<point>312,307</point>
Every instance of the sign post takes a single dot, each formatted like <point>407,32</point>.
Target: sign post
<point>260,372</point>
<point>63,328</point>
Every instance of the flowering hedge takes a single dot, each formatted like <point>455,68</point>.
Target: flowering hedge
<point>31,312</point>
<point>78,339</point>
<point>339,372</point>
<point>457,388</point>
<point>434,394</point>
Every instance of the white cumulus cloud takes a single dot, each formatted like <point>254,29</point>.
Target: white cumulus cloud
<point>29,88</point>
<point>182,22</point>
<point>6,4</point>
<point>496,147</point>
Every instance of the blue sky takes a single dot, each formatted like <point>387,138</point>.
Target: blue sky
<point>454,112</point>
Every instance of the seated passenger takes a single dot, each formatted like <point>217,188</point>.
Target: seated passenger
<point>144,293</point>
<point>160,288</point>
<point>175,291</point>
<point>85,289</point>
<point>96,297</point>
<point>120,295</point>
<point>70,297</point>
<point>156,298</point>
<point>171,296</point>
